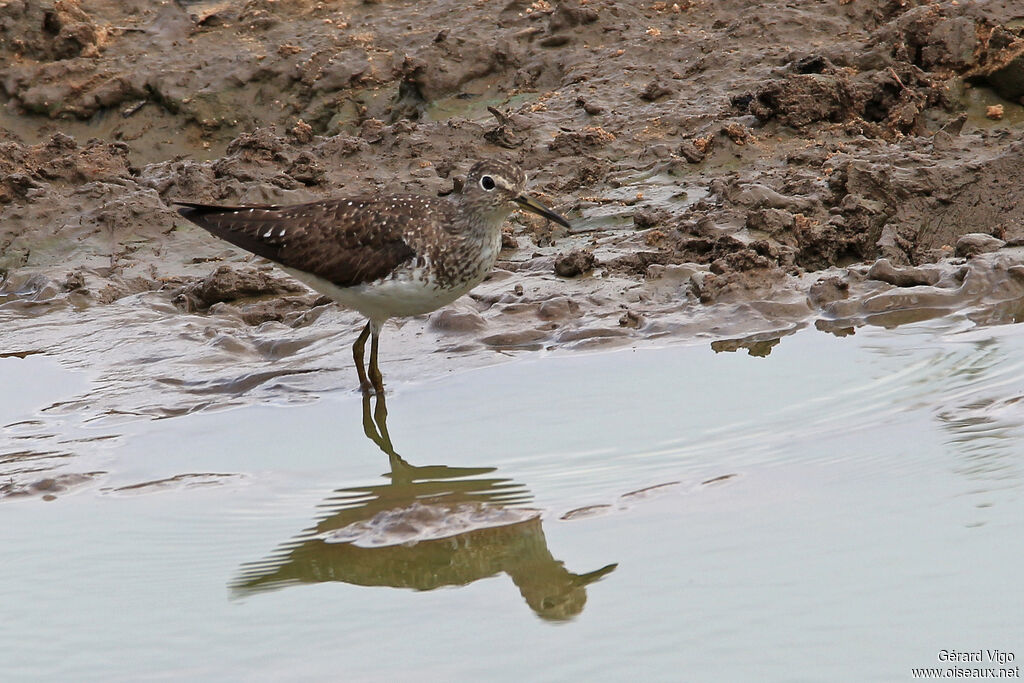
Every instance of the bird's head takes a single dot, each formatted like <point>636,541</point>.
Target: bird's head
<point>501,186</point>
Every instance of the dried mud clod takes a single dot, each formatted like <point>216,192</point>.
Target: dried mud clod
<point>649,217</point>
<point>575,263</point>
<point>226,284</point>
<point>631,319</point>
<point>59,160</point>
<point>973,244</point>
<point>696,149</point>
<point>1000,62</point>
<point>882,103</point>
<point>655,90</point>
<point>828,289</point>
<point>506,133</point>
<point>884,271</point>
<point>62,30</point>
<point>578,142</point>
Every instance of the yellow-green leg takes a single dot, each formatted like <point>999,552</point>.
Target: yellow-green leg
<point>375,377</point>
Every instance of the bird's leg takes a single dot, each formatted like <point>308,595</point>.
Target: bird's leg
<point>380,417</point>
<point>370,421</point>
<point>375,426</point>
<point>357,354</point>
<point>375,376</point>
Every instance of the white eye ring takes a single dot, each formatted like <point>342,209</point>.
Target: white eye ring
<point>487,183</point>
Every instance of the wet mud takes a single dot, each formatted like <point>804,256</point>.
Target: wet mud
<point>732,173</point>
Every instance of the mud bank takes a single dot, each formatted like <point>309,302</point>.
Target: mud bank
<point>732,174</point>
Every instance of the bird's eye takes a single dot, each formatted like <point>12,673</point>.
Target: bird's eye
<point>487,182</point>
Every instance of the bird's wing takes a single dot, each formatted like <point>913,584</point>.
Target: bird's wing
<point>347,242</point>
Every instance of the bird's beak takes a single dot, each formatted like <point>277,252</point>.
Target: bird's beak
<point>530,204</point>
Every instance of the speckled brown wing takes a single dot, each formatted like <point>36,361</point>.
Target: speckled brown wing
<point>344,241</point>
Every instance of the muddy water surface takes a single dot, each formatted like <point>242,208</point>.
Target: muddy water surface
<point>733,517</point>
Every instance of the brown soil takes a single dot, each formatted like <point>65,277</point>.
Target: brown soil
<point>731,171</point>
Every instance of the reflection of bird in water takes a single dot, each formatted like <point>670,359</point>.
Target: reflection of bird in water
<point>428,527</point>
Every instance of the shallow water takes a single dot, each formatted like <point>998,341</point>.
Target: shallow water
<point>842,509</point>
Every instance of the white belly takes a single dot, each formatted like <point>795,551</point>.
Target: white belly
<point>409,294</point>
